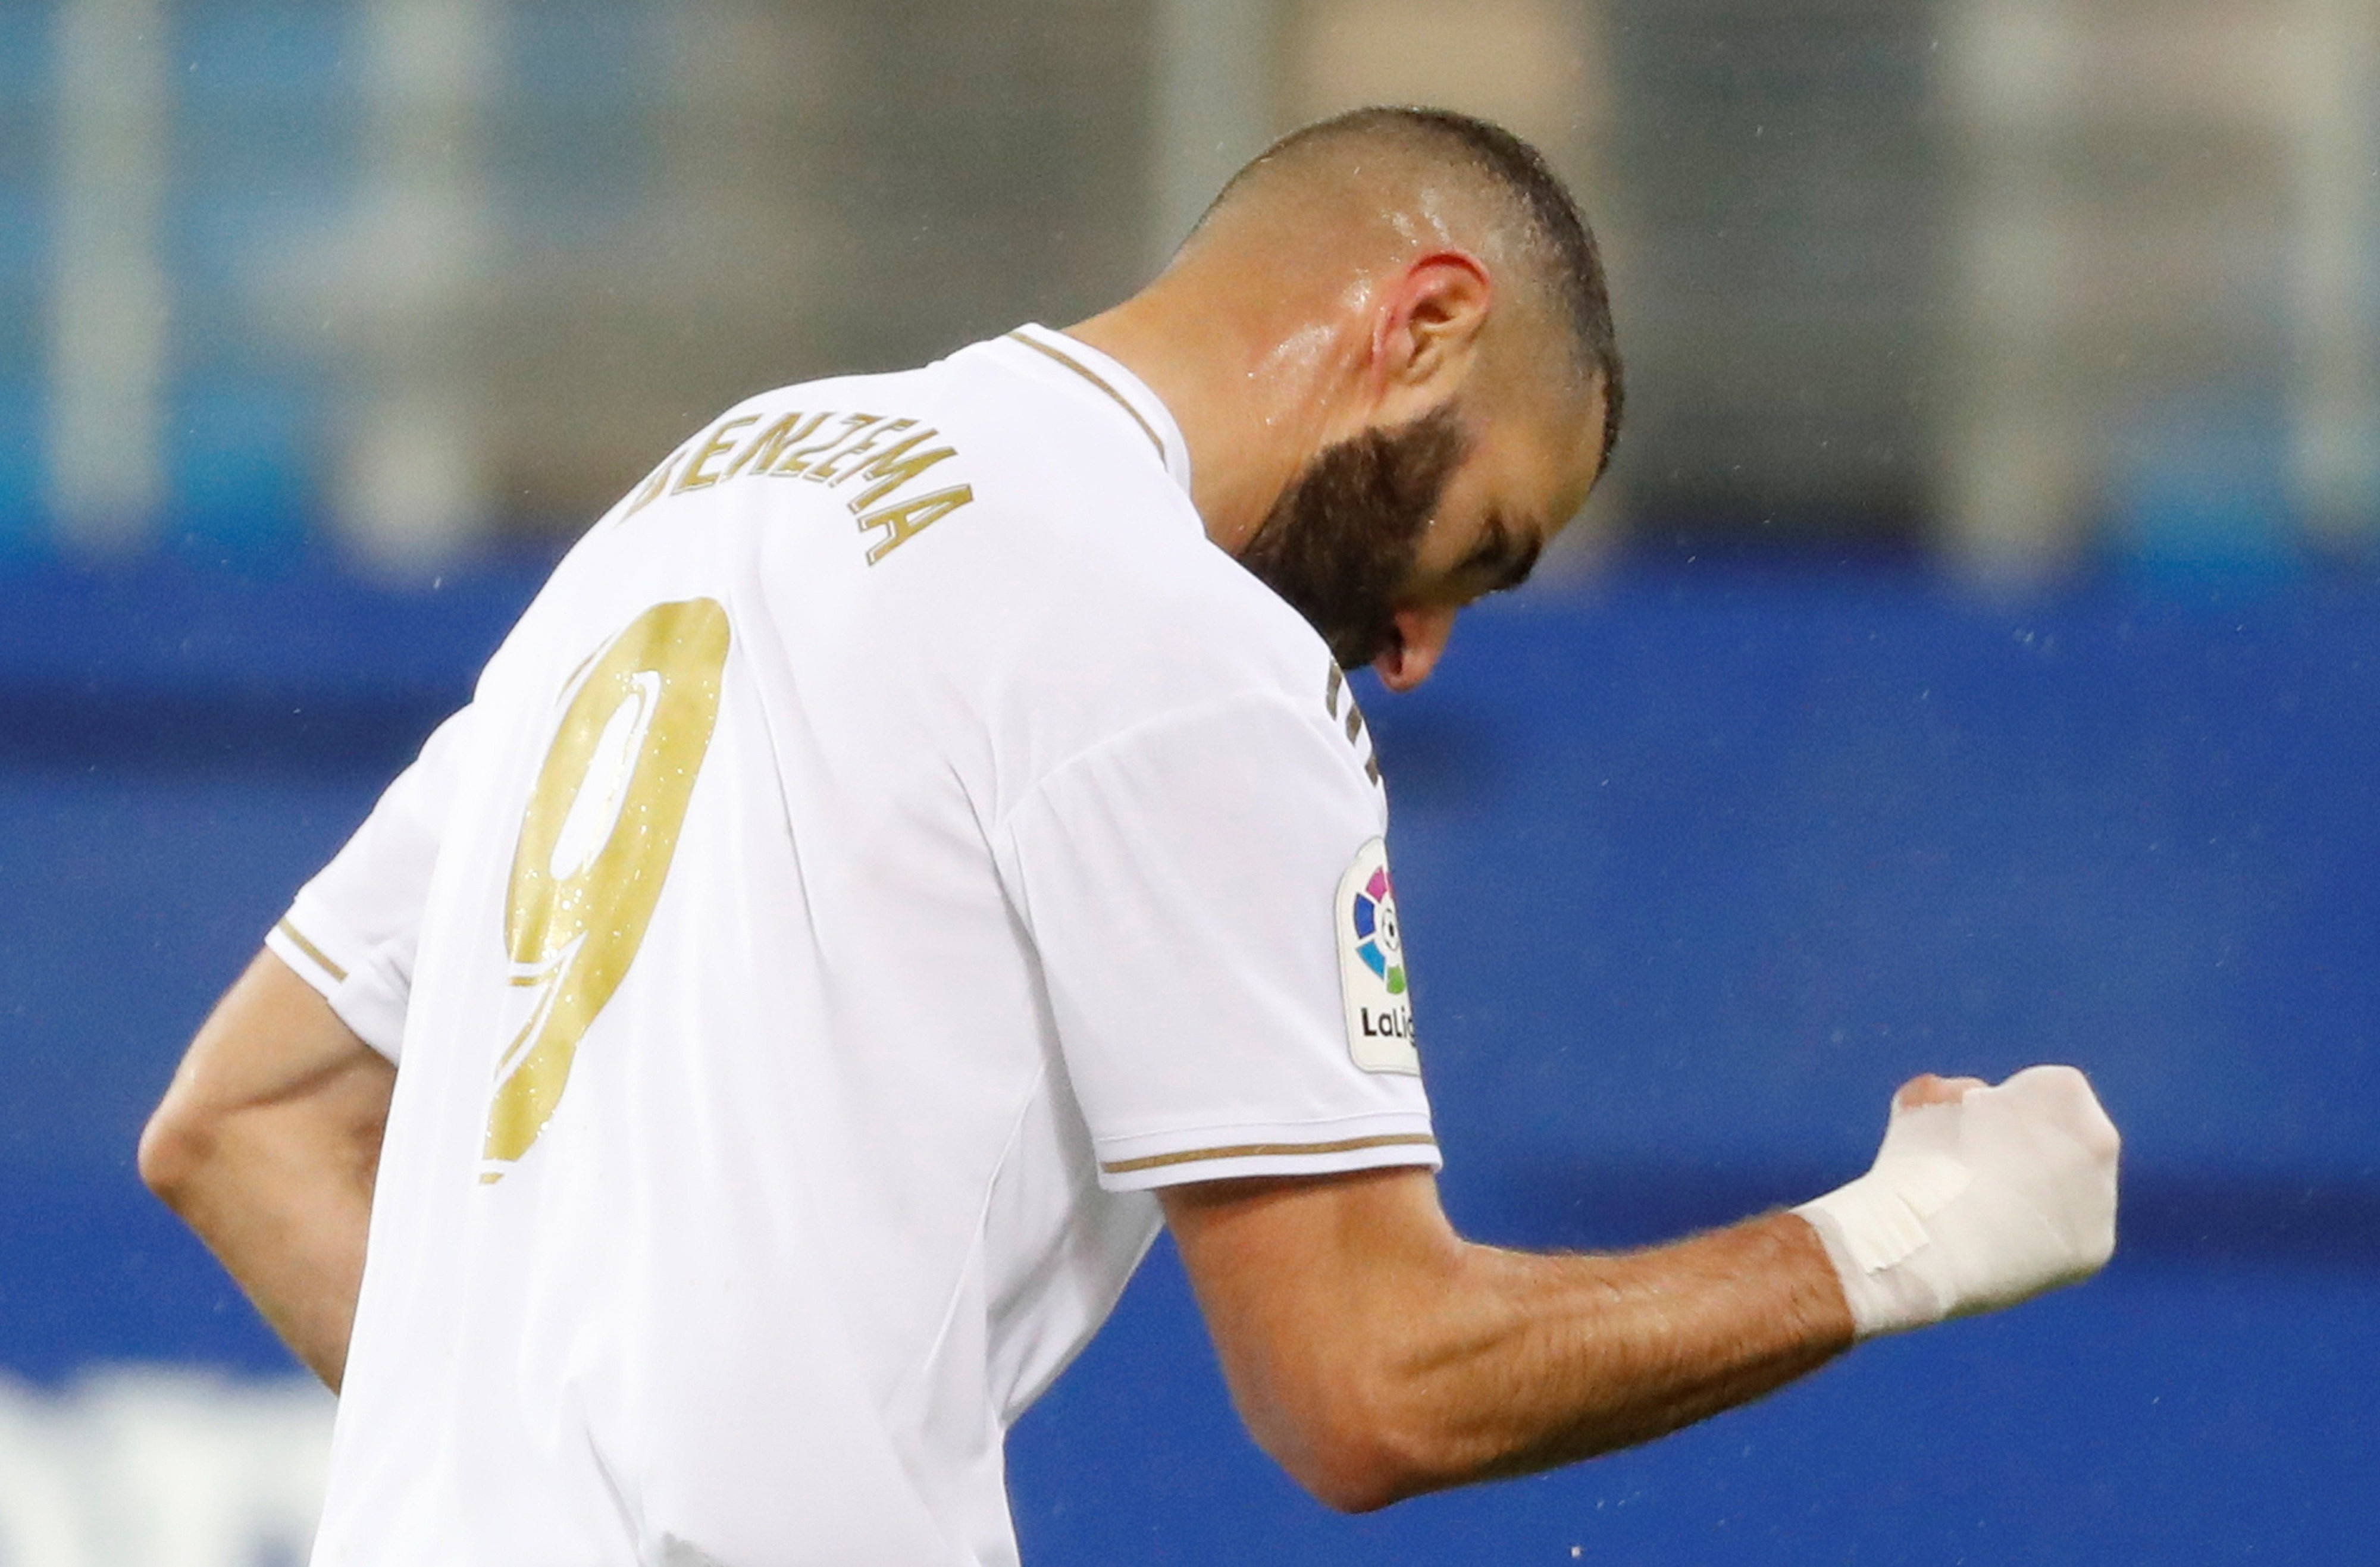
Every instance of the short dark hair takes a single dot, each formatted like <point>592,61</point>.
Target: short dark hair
<point>1575,269</point>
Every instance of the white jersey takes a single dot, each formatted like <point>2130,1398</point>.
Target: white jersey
<point>893,840</point>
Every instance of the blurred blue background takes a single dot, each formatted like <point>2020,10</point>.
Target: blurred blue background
<point>1970,662</point>
<point>1696,865</point>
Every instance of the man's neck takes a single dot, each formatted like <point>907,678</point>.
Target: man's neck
<point>1247,409</point>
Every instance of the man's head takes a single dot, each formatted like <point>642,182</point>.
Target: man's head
<point>1389,345</point>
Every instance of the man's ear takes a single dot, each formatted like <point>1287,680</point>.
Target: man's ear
<point>1428,327</point>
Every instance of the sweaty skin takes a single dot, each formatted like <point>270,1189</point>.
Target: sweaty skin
<point>1316,303</point>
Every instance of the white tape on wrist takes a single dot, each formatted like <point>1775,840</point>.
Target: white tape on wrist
<point>1869,1229</point>
<point>1976,1204</point>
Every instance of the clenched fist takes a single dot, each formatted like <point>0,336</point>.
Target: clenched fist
<point>1980,1197</point>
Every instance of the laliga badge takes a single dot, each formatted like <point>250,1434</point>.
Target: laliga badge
<point>1372,966</point>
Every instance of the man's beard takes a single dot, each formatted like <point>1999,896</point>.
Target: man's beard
<point>1340,541</point>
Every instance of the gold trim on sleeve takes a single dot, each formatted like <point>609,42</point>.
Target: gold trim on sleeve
<point>1268,1150</point>
<point>338,975</point>
<point>1091,376</point>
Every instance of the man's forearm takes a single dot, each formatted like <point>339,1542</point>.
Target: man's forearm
<point>287,1218</point>
<point>1530,1361</point>
<point>1406,1359</point>
<point>267,1145</point>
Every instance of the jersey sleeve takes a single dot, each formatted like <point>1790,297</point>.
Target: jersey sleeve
<point>352,930</point>
<point>1194,888</point>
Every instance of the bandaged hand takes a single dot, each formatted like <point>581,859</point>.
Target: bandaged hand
<point>1980,1197</point>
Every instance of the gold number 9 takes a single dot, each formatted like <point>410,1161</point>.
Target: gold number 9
<point>595,846</point>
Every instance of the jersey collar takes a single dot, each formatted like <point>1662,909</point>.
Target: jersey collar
<point>1107,378</point>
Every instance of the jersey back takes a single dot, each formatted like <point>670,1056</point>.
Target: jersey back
<point>893,840</point>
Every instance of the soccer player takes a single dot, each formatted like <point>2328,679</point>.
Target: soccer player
<point>922,836</point>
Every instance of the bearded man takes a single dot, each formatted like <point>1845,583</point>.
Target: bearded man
<point>921,840</point>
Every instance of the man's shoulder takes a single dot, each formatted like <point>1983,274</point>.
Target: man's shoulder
<point>1132,641</point>
<point>1080,536</point>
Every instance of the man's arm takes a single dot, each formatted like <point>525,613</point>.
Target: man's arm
<point>1376,1355</point>
<point>266,1144</point>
